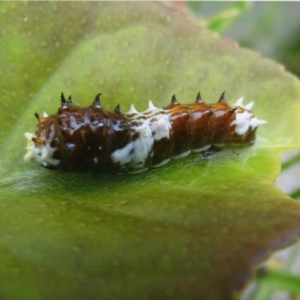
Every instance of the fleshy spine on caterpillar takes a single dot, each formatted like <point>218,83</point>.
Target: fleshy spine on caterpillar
<point>93,139</point>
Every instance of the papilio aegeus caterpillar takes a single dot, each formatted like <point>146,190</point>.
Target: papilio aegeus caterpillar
<point>90,138</point>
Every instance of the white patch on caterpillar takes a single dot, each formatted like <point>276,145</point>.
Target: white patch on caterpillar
<point>122,156</point>
<point>42,155</point>
<point>74,124</point>
<point>142,141</point>
<point>160,124</point>
<point>244,120</point>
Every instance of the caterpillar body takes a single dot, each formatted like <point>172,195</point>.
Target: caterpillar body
<point>93,139</point>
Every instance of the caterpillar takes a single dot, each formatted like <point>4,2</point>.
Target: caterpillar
<point>93,139</point>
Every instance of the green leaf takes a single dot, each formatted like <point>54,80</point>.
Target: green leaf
<point>221,21</point>
<point>292,161</point>
<point>271,280</point>
<point>194,228</point>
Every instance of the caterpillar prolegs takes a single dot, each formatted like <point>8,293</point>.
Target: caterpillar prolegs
<point>93,139</point>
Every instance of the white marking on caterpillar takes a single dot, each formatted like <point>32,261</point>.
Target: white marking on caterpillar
<point>142,141</point>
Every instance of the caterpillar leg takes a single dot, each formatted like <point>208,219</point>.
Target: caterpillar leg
<point>212,150</point>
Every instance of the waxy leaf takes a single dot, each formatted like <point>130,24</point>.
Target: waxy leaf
<point>193,229</point>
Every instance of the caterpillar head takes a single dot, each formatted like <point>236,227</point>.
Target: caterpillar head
<point>43,146</point>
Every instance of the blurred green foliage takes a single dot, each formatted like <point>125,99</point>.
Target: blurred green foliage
<point>271,28</point>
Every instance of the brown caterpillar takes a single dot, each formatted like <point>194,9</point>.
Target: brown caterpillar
<point>93,139</point>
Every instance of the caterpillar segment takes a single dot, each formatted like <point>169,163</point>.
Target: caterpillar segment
<point>93,139</point>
